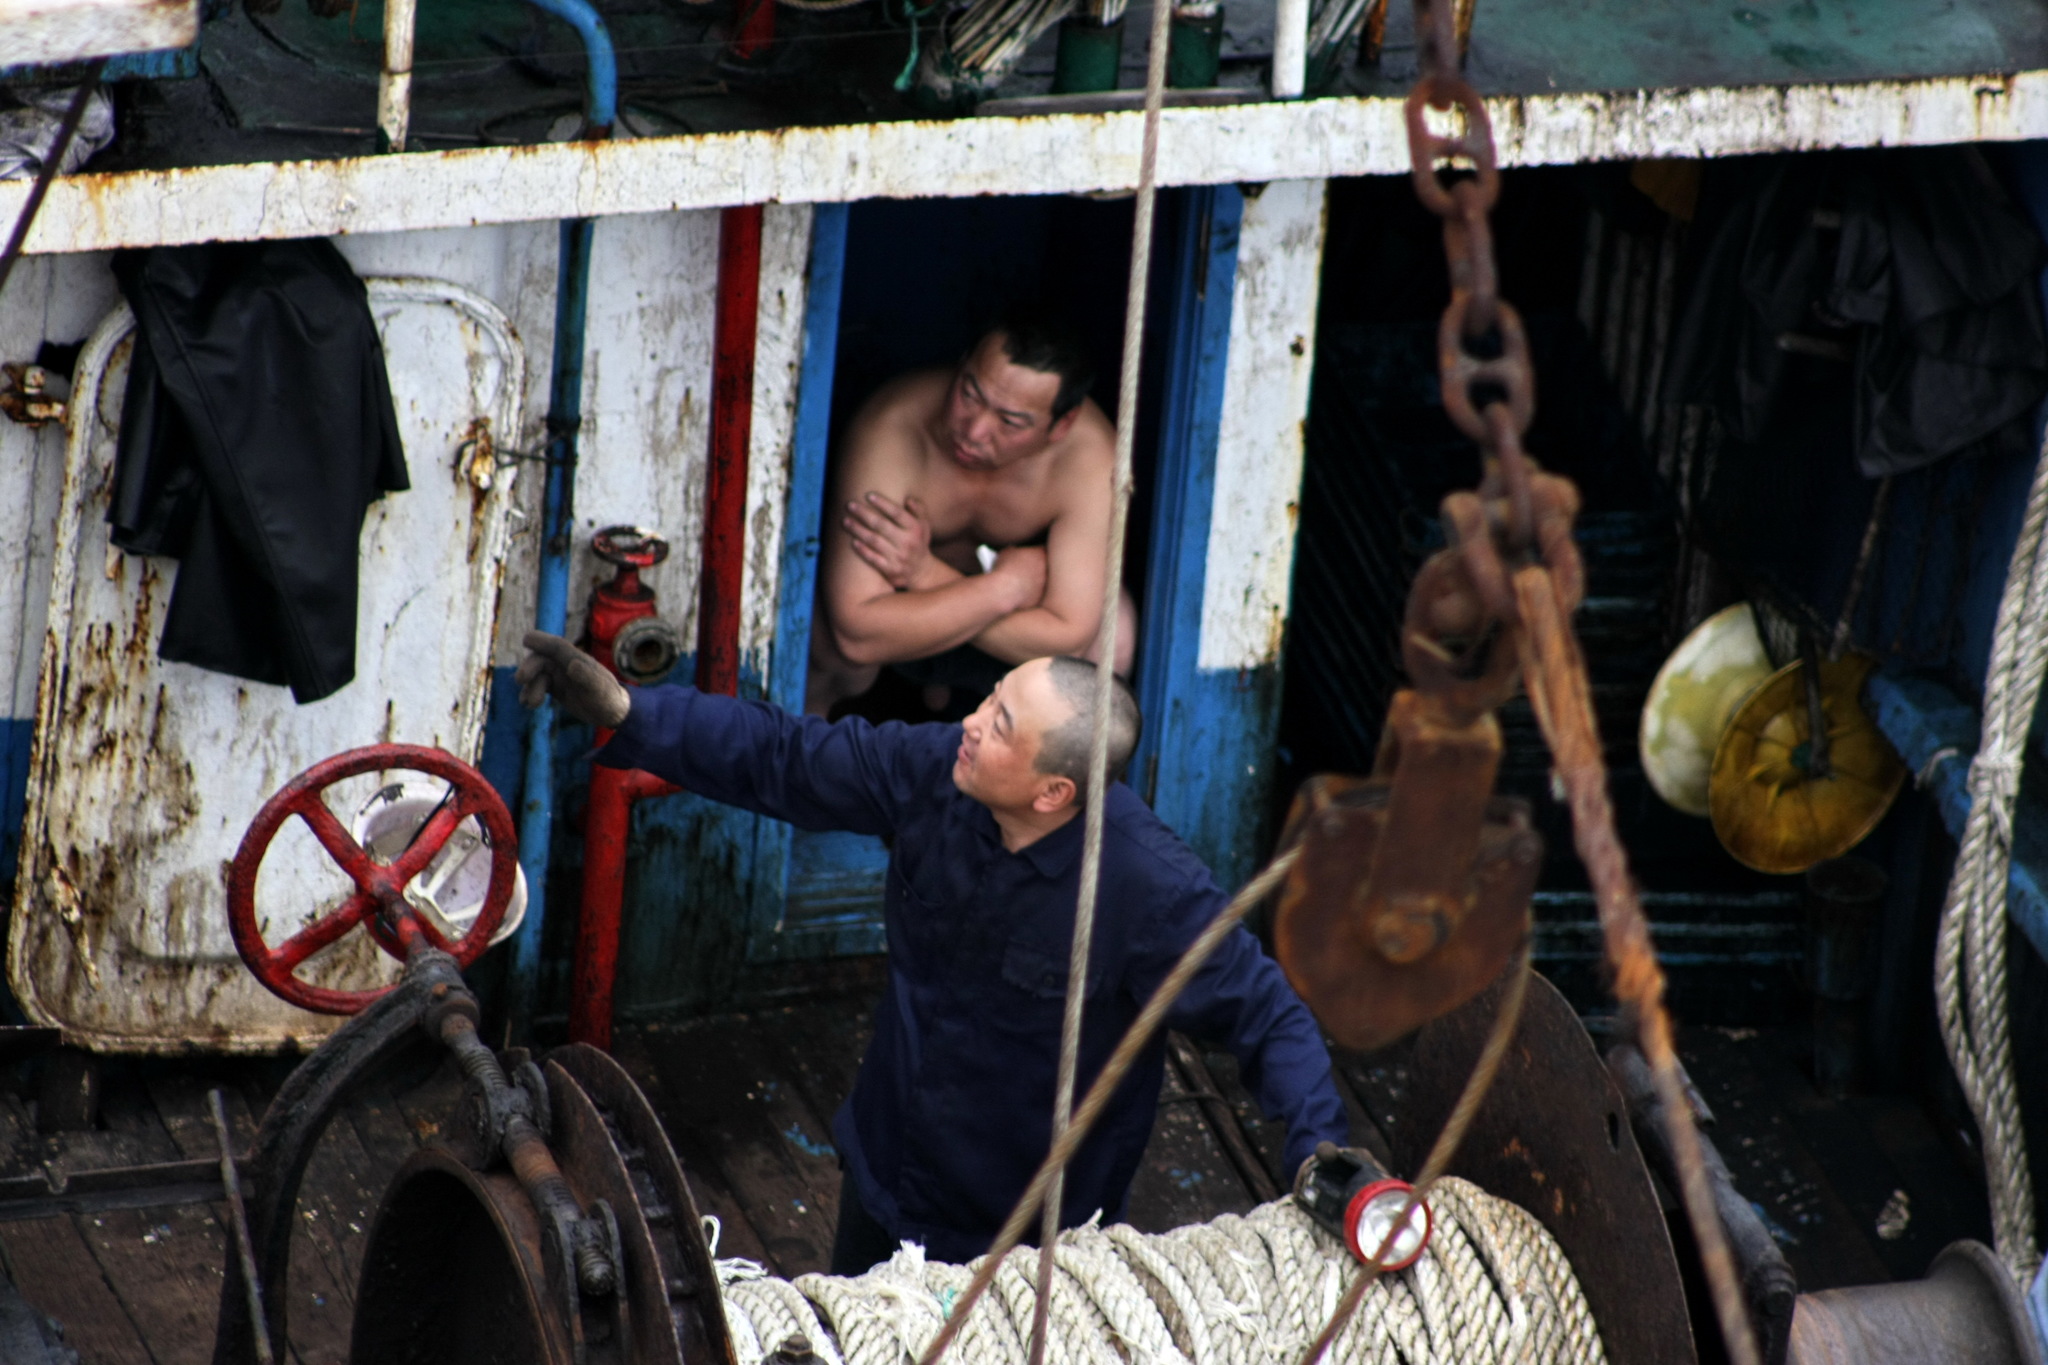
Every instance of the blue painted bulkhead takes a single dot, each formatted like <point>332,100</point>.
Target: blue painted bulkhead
<point>1206,757</point>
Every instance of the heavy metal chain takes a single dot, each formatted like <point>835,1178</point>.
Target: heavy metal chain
<point>1514,541</point>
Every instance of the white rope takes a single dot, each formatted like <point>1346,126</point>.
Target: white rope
<point>1970,985</point>
<point>1492,1289</point>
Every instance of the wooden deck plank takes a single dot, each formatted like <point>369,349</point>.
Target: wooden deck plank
<point>381,1127</point>
<point>50,1263</point>
<point>708,1187</point>
<point>1268,1137</point>
<point>1365,1132</point>
<point>1185,1176</point>
<point>336,1202</point>
<point>1872,1149</point>
<point>1946,1203</point>
<point>320,1293</point>
<point>825,1042</point>
<point>316,1321</point>
<point>165,1264</point>
<point>806,1136</point>
<point>1826,1242</point>
<point>715,1107</point>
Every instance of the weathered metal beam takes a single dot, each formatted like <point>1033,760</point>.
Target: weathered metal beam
<point>40,32</point>
<point>1252,143</point>
<point>53,1190</point>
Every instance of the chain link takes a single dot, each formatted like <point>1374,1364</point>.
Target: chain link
<point>1489,385</point>
<point>1513,543</point>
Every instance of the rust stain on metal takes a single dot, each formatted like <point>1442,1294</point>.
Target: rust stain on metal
<point>140,769</point>
<point>1251,143</point>
<point>476,465</point>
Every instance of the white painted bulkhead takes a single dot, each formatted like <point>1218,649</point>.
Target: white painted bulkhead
<point>647,381</point>
<point>1248,571</point>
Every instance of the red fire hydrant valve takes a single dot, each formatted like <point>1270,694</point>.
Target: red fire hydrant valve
<point>626,634</point>
<point>378,903</point>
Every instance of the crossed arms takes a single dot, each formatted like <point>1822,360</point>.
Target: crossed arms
<point>888,598</point>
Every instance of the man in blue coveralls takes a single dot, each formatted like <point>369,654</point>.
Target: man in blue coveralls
<point>951,1113</point>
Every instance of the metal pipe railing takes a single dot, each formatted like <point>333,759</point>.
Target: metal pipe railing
<point>1290,49</point>
<point>394,84</point>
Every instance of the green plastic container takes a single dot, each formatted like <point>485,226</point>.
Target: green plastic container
<point>1194,50</point>
<point>1089,56</point>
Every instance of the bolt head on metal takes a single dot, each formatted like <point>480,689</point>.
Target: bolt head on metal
<point>1410,930</point>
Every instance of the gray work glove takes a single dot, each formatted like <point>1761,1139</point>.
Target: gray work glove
<point>580,685</point>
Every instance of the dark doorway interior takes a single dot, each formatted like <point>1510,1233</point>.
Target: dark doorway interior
<point>925,277</point>
<point>1380,457</point>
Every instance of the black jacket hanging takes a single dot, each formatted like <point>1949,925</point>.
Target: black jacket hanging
<point>256,432</point>
<point>1913,266</point>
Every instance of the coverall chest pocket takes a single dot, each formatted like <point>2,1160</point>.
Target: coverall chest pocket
<point>1041,973</point>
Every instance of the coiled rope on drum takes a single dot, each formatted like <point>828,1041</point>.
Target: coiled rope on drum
<point>1492,1288</point>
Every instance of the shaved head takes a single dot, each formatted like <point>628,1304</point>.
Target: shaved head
<point>1063,748</point>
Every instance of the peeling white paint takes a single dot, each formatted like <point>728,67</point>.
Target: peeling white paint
<point>1259,444</point>
<point>513,265</point>
<point>144,774</point>
<point>1249,143</point>
<point>49,299</point>
<point>647,393</point>
<point>40,32</point>
<point>646,401</point>
<point>771,453</point>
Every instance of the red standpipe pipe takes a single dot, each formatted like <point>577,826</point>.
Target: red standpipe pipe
<point>608,821</point>
<point>732,430</point>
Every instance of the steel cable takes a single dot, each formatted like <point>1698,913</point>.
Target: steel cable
<point>1097,791</point>
<point>1448,1139</point>
<point>53,162</point>
<point>1134,1041</point>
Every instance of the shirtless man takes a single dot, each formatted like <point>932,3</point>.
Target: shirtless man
<point>1006,451</point>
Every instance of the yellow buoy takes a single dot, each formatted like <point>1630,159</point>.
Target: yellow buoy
<point>1770,808</point>
<point>1689,704</point>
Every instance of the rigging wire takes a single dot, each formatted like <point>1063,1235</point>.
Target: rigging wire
<point>1134,1042</point>
<point>53,161</point>
<point>1448,1140</point>
<point>1135,292</point>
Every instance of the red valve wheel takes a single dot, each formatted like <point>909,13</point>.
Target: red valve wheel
<point>632,547</point>
<point>379,902</point>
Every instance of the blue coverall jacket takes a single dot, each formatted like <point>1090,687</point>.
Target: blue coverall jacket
<point>952,1110</point>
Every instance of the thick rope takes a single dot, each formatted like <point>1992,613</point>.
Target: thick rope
<point>1135,287</point>
<point>1492,1288</point>
<point>1448,1140</point>
<point>1970,983</point>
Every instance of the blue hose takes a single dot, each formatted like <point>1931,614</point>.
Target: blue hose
<point>601,100</point>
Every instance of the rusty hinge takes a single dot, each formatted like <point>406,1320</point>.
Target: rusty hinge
<point>27,397</point>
